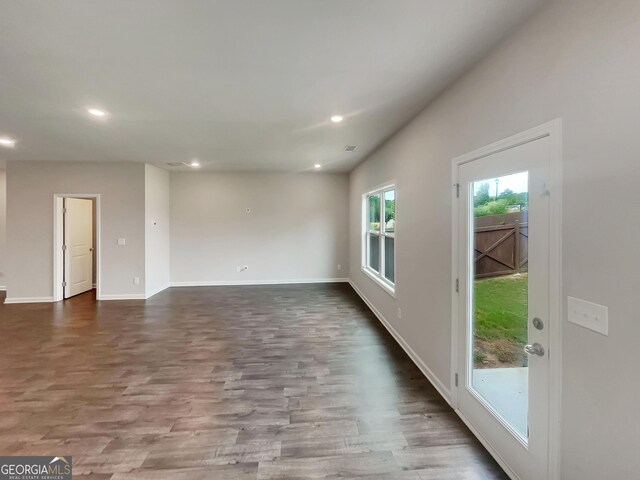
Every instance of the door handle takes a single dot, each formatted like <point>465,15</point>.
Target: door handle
<point>535,349</point>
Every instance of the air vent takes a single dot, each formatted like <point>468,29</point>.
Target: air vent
<point>350,148</point>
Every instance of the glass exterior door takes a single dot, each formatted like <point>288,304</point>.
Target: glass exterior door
<point>503,303</point>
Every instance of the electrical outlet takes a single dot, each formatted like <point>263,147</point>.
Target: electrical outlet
<point>339,267</point>
<point>136,280</point>
<point>238,268</point>
<point>399,312</point>
<point>589,315</point>
<point>122,241</point>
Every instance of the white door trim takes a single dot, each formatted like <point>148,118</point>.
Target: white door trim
<point>552,130</point>
<point>58,261</point>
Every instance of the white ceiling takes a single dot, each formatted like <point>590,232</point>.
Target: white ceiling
<point>238,84</point>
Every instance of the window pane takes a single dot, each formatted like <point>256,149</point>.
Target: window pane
<point>499,317</point>
<point>374,212</point>
<point>389,259</point>
<point>374,252</point>
<point>390,211</point>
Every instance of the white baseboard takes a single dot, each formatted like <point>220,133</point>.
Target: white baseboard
<point>426,371</point>
<point>219,283</point>
<point>29,300</point>
<point>125,296</point>
<point>142,296</point>
<point>156,291</point>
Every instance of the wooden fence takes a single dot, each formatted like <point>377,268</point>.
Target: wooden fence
<point>501,244</point>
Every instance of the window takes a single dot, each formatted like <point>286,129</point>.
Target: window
<point>379,252</point>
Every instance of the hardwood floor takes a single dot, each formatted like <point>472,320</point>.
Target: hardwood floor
<point>265,382</point>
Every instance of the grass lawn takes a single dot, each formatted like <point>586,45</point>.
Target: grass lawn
<point>501,308</point>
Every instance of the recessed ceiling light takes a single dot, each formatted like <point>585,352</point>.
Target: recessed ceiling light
<point>96,112</point>
<point>7,142</point>
<point>317,166</point>
<point>337,118</point>
<point>194,164</point>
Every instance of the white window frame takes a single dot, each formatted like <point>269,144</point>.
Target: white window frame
<point>379,277</point>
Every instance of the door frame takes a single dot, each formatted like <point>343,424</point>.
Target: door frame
<point>58,239</point>
<point>552,130</point>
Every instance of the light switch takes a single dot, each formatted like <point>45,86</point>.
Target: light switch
<point>122,241</point>
<point>589,315</point>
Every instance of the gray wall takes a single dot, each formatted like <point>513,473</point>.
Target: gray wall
<point>3,227</point>
<point>30,190</point>
<point>156,207</point>
<point>577,60</point>
<point>296,230</point>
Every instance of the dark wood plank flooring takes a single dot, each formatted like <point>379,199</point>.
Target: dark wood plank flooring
<point>266,382</point>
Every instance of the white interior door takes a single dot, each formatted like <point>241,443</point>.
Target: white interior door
<point>503,303</point>
<point>78,246</point>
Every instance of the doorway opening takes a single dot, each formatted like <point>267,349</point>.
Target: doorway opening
<point>76,255</point>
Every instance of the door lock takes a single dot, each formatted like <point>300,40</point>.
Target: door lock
<point>535,349</point>
<point>539,324</point>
